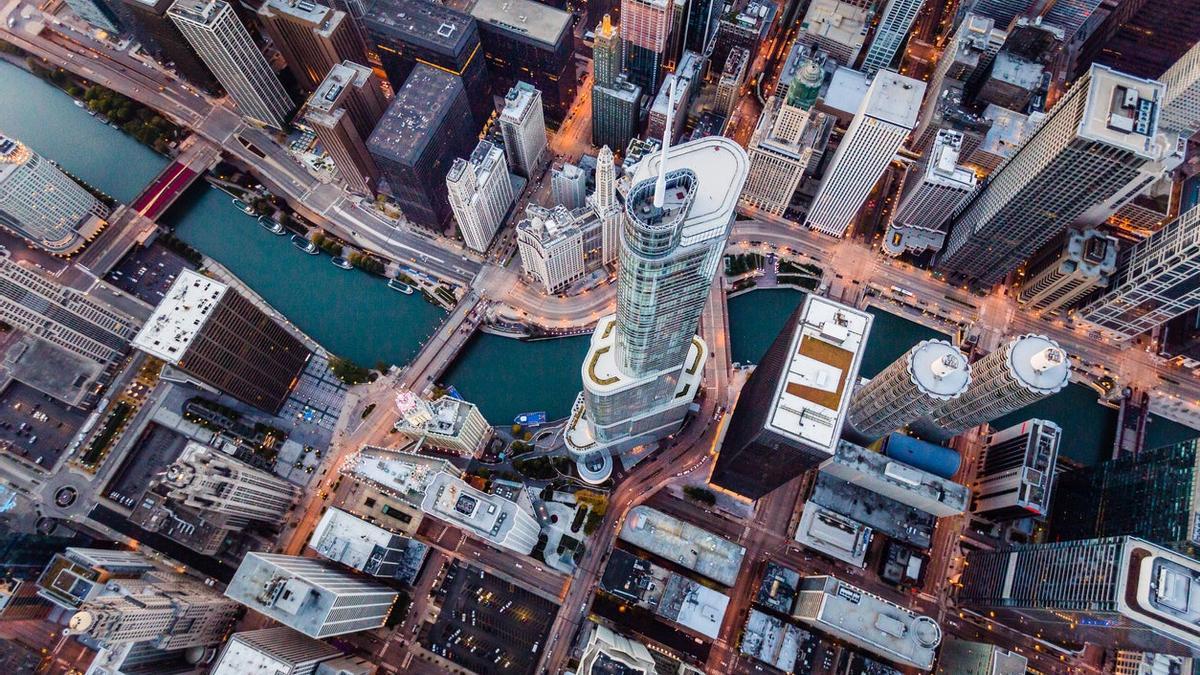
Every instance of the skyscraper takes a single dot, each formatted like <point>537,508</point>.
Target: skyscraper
<point>931,372</point>
<point>1080,266</point>
<point>43,205</point>
<point>890,34</point>
<point>1119,592</point>
<point>1094,141</point>
<point>312,38</point>
<point>700,24</point>
<point>1121,43</point>
<point>211,480</point>
<point>1181,102</point>
<point>645,31</point>
<point>1021,371</point>
<point>1156,281</point>
<point>551,245</point>
<point>615,100</point>
<point>481,194</point>
<point>367,547</point>
<point>729,85</point>
<point>1017,476</point>
<point>933,192</point>
<point>79,574</point>
<point>789,416</point>
<point>223,43</point>
<point>211,332</point>
<point>170,614</point>
<point>312,596</point>
<point>605,204</point>
<point>524,129</point>
<point>644,363</point>
<point>448,423</point>
<point>568,186</point>
<point>884,119</point>
<point>506,523</point>
<point>533,42</point>
<point>343,111</point>
<point>278,651</point>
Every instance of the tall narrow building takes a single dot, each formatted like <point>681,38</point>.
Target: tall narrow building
<point>1082,265</point>
<point>481,194</point>
<point>43,205</point>
<point>1120,41</point>
<point>312,38</point>
<point>170,615</point>
<point>1016,479</point>
<point>532,42</point>
<point>1181,102</point>
<point>930,373</point>
<point>1094,141</point>
<point>210,480</point>
<point>223,43</point>
<point>645,35</point>
<point>893,28</point>
<point>606,206</point>
<point>884,119</point>
<point>343,111</point>
<point>524,129</point>
<point>615,99</point>
<point>933,193</point>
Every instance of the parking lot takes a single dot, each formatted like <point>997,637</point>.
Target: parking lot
<point>488,625</point>
<point>34,426</point>
<point>147,273</point>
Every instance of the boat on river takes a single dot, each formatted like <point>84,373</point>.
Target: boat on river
<point>78,103</point>
<point>531,419</point>
<point>272,226</point>
<point>342,262</point>
<point>304,245</point>
<point>243,206</point>
<point>397,285</point>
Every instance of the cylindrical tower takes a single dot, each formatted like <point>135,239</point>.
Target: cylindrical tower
<point>1024,370</point>
<point>931,373</point>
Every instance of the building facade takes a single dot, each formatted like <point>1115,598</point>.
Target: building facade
<point>645,35</point>
<point>931,372</point>
<point>447,423</point>
<point>343,111</point>
<point>533,42</point>
<point>211,480</point>
<point>551,244</point>
<point>1017,476</point>
<point>523,126</point>
<point>1083,265</point>
<point>890,34</point>
<point>481,195</point>
<point>568,186</point>
<point>312,38</point>
<point>729,85</point>
<point>278,651</point>
<point>932,195</point>
<point>615,99</point>
<point>43,205</point>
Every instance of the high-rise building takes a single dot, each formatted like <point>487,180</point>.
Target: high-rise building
<point>528,41</point>
<point>606,206</point>
<point>609,652</point>
<point>1120,41</point>
<point>393,485</point>
<point>1120,592</point>
<point>644,363</point>
<point>359,544</point>
<point>1181,102</point>
<point>786,143</point>
<point>551,244</point>
<point>1154,495</point>
<point>702,17</point>
<point>343,111</point>
<point>159,37</point>
<point>218,36</point>
<point>1017,475</point>
<point>448,423</point>
<point>686,83</point>
<point>968,55</point>
<point>645,33</point>
<point>790,413</point>
<point>568,186</point>
<point>866,469</point>
<point>894,24</point>
<point>867,621</point>
<point>615,100</point>
<point>960,657</point>
<point>884,119</point>
<point>481,194</point>
<point>1019,71</point>
<point>1021,371</point>
<point>426,127</point>
<point>1094,141</point>
<point>1081,265</point>
<point>168,613</point>
<point>503,522</point>
<point>315,597</point>
<point>312,38</point>
<point>729,85</point>
<point>212,333</point>
<point>931,372</point>
<point>1156,281</point>
<point>43,205</point>
<point>932,194</point>
<point>277,651</point>
<point>403,33</point>
<point>524,129</point>
<point>1132,662</point>
<point>211,480</point>
<point>80,574</point>
<point>836,27</point>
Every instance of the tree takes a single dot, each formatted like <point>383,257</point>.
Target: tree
<point>597,502</point>
<point>592,523</point>
<point>700,495</point>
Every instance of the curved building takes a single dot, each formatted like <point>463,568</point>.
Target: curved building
<point>42,204</point>
<point>932,372</point>
<point>1024,370</point>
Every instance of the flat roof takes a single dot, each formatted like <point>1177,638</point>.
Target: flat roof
<point>338,82</point>
<point>178,319</point>
<point>202,12</point>
<point>693,606</point>
<point>423,23</point>
<point>684,544</point>
<point>771,641</point>
<point>826,350</point>
<point>364,546</point>
<point>488,516</point>
<point>396,472</point>
<point>1122,111</point>
<point>258,651</point>
<point>837,21</point>
<point>895,98</point>
<point>415,114</point>
<point>534,20</point>
<point>1008,130</point>
<point>847,89</point>
<point>833,534</point>
<point>897,480</point>
<point>939,368</point>
<point>305,10</point>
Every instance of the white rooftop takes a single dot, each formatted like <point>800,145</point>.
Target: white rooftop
<point>348,539</point>
<point>944,168</point>
<point>699,608</point>
<point>1039,363</point>
<point>833,534</point>
<point>813,394</point>
<point>939,368</point>
<point>177,320</point>
<point>895,98</point>
<point>487,516</point>
<point>1122,111</point>
<point>684,544</point>
<point>401,474</point>
<point>721,167</point>
<point>847,89</point>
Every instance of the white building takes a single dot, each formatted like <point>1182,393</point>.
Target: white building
<point>524,128</point>
<point>315,597</point>
<point>550,242</point>
<point>836,27</point>
<point>1181,102</point>
<point>932,194</point>
<point>931,372</point>
<point>402,475</point>
<point>885,118</point>
<point>43,205</point>
<point>79,574</point>
<point>222,42</point>
<point>895,480</point>
<point>448,423</point>
<point>208,479</point>
<point>1017,473</point>
<point>502,522</point>
<point>609,652</point>
<point>481,194</point>
<point>606,206</point>
<point>568,186</point>
<point>833,534</point>
<point>358,544</point>
<point>1084,263</point>
<point>890,34</point>
<point>169,614</point>
<point>273,651</point>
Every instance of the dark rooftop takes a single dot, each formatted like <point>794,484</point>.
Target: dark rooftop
<point>414,115</point>
<point>422,23</point>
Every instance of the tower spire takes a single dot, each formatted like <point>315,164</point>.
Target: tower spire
<point>660,187</point>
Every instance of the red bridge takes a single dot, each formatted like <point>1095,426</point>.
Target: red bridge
<point>197,157</point>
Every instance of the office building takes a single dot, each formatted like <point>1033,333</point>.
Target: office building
<point>883,121</point>
<point>744,26</point>
<point>343,111</point>
<point>609,652</point>
<point>524,129</point>
<point>1120,592</point>
<point>426,127</point>
<point>790,413</point>
<point>933,192</point>
<point>1021,371</point>
<point>1181,101</point>
<point>1019,69</point>
<point>505,523</point>
<point>210,332</point>
<point>568,186</point>
<point>965,60</point>
<point>392,485</point>
<point>1017,475</point>
<point>833,534</point>
<point>551,244</point>
<point>644,363</point>
<point>788,142</point>
<point>729,85</point>
<point>447,423</point>
<point>1126,662</point>
<point>202,530</point>
<point>1155,282</point>
<point>366,547</point>
<point>218,36</point>
<point>1120,40</point>
<point>961,657</point>
<point>481,194</point>
<point>19,599</point>
<point>645,34</point>
<point>867,621</point>
<point>315,597</point>
<point>211,480</point>
<point>615,100</point>
<point>606,206</point>
<point>403,33</point>
<point>78,575</point>
<point>929,373</point>
<point>686,83</point>
<point>836,27</point>
<point>1093,142</point>
<point>890,34</point>
<point>274,651</point>
<point>311,37</point>
<point>701,19</point>
<point>1154,495</point>
<point>1004,132</point>
<point>169,613</point>
<point>43,205</point>
<point>97,14</point>
<point>1082,265</point>
<point>530,42</point>
<point>899,482</point>
<point>159,37</point>
<point>949,109</point>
